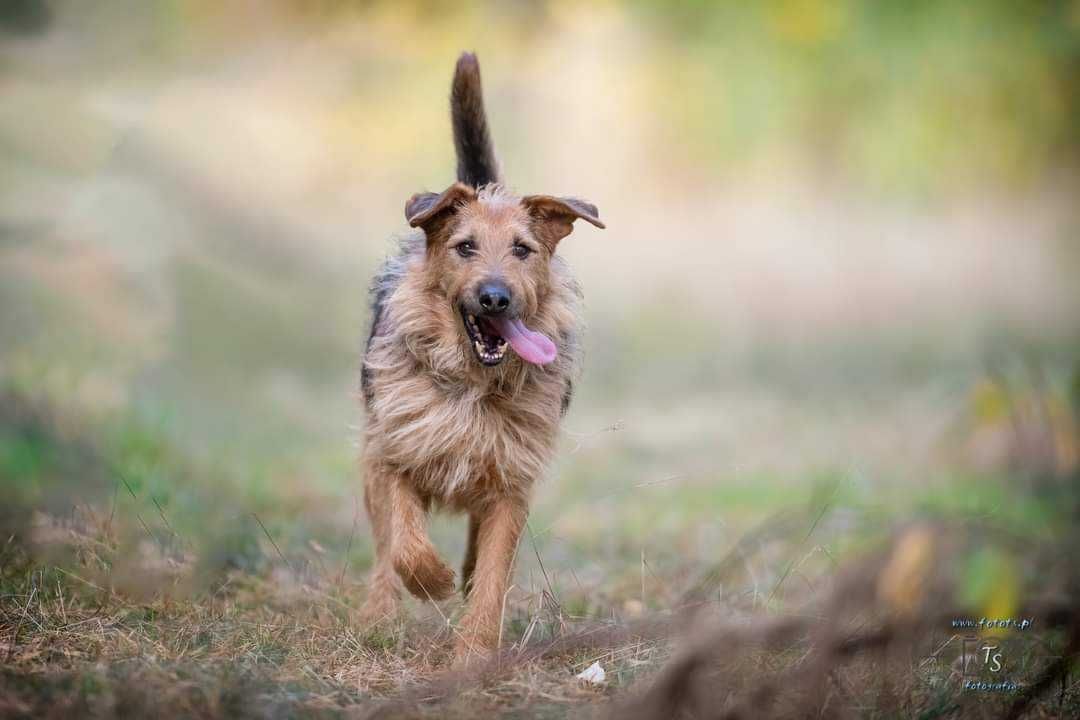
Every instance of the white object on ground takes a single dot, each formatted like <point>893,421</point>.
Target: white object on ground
<point>593,674</point>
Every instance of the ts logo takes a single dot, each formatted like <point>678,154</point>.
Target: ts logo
<point>993,661</point>
<point>991,657</point>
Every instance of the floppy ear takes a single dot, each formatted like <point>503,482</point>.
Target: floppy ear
<point>429,210</point>
<point>555,216</point>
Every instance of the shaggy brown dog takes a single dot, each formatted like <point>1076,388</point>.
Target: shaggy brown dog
<point>469,367</point>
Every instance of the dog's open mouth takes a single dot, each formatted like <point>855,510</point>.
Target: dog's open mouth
<point>490,337</point>
<point>487,343</point>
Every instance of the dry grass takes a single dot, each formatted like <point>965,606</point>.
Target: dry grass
<point>85,632</point>
<point>81,633</point>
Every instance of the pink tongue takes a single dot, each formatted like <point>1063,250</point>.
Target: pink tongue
<point>532,346</point>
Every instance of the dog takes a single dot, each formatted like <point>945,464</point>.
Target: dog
<point>470,365</point>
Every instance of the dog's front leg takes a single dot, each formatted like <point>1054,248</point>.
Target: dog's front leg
<point>499,528</point>
<point>384,587</point>
<point>469,565</point>
<point>415,559</point>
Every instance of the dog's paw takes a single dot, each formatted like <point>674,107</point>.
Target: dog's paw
<point>425,574</point>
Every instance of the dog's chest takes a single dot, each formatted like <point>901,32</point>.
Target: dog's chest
<point>455,445</point>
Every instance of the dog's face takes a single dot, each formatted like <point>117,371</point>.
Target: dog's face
<point>488,253</point>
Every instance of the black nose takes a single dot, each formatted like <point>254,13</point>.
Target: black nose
<point>494,297</point>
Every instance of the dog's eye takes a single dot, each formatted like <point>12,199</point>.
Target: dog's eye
<point>521,251</point>
<point>466,248</point>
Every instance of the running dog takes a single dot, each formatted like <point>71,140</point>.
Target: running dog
<point>469,368</point>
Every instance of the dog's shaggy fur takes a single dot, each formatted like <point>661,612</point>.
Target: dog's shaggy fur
<point>448,425</point>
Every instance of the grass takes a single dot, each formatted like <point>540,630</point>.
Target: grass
<point>284,636</point>
<point>89,629</point>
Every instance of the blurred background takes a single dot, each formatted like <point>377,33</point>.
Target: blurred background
<point>841,258</point>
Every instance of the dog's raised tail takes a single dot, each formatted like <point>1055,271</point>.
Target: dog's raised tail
<point>476,164</point>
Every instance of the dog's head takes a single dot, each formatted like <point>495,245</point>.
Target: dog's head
<point>488,254</point>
